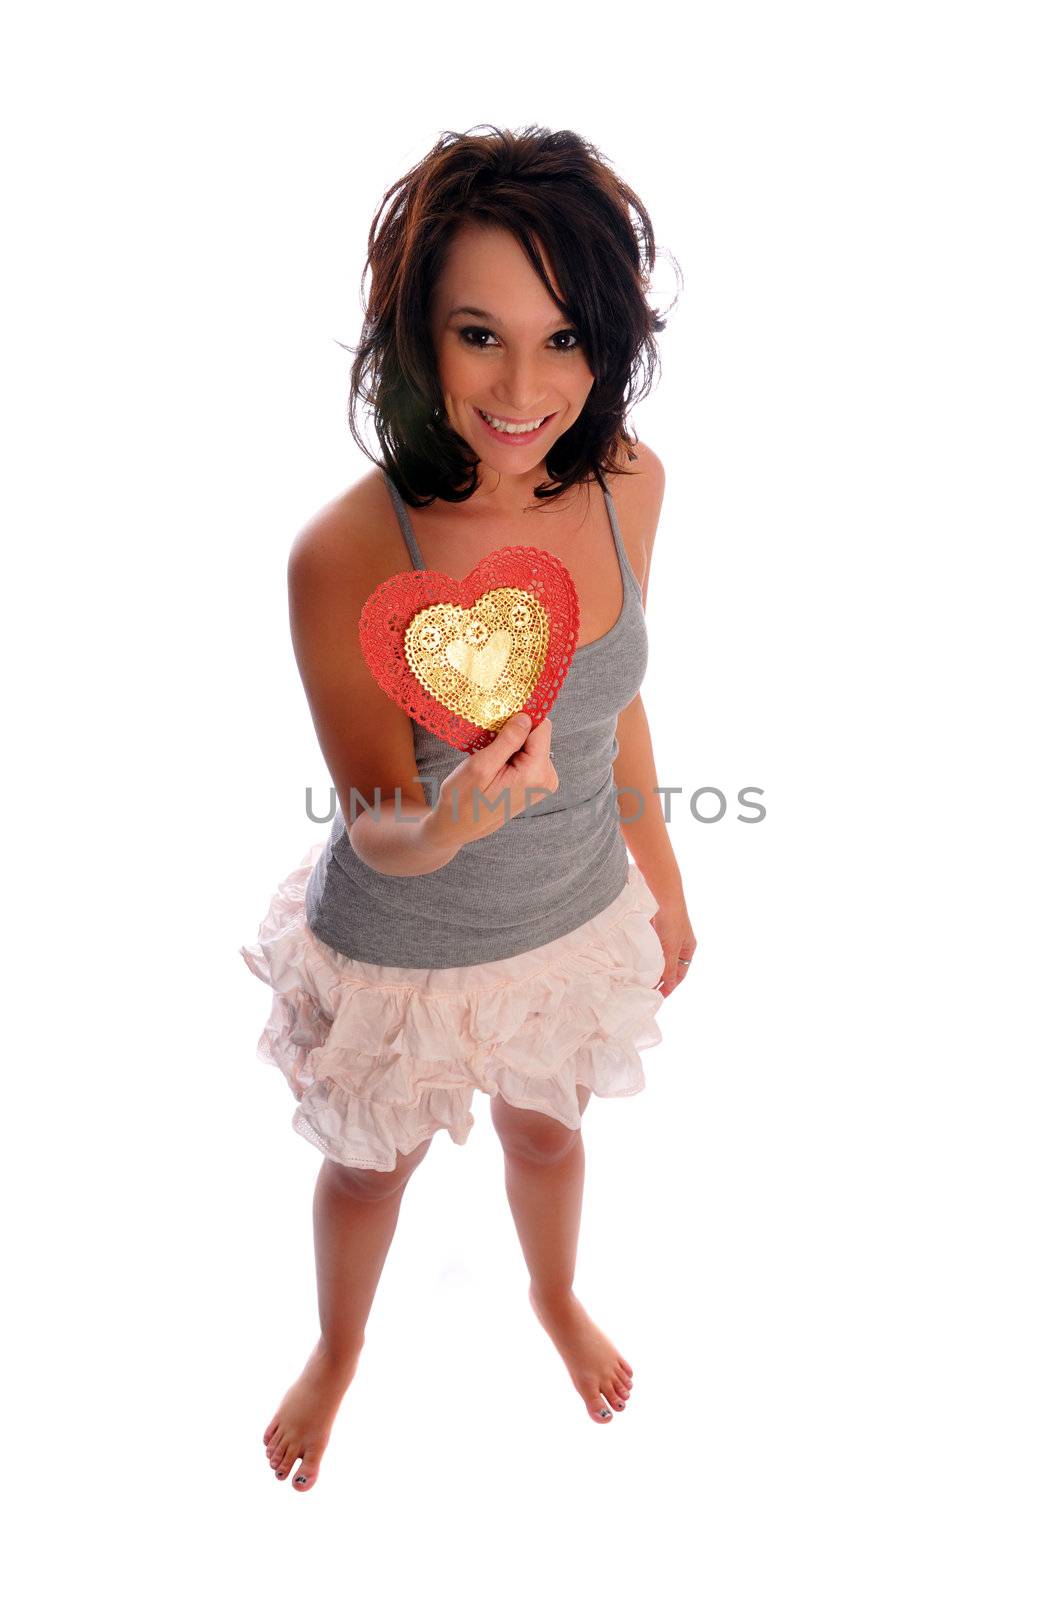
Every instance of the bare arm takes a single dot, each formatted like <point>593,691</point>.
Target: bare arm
<point>641,813</point>
<point>365,737</point>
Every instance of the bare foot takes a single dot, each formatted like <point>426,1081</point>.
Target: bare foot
<point>595,1365</point>
<point>303,1421</point>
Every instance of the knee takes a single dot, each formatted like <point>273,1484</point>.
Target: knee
<point>367,1183</point>
<point>531,1135</point>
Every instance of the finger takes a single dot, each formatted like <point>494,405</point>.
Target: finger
<point>518,725</point>
<point>509,738</point>
<point>538,741</point>
<point>672,974</point>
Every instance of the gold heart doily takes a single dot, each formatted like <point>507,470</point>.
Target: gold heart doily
<point>482,661</point>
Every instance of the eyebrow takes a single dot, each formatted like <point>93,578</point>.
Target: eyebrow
<point>478,311</point>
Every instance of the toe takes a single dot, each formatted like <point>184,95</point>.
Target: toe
<point>287,1462</point>
<point>626,1366</point>
<point>613,1394</point>
<point>277,1449</point>
<point>595,1403</point>
<point>306,1477</point>
<point>270,1431</point>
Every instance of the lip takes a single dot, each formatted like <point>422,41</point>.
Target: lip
<point>515,439</point>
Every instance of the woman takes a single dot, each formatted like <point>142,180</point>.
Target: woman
<point>475,922</point>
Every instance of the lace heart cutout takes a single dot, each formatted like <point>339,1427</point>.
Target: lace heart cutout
<point>461,656</point>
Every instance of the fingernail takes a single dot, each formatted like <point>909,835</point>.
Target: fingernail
<point>524,720</point>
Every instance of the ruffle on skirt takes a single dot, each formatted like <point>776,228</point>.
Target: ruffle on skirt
<point>380,1057</point>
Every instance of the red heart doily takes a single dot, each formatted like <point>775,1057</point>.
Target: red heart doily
<point>460,656</point>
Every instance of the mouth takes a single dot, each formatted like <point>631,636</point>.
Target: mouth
<point>508,431</point>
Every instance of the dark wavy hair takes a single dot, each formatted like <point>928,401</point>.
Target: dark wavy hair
<point>552,190</point>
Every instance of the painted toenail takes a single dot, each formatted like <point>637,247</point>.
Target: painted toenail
<point>280,1474</point>
<point>620,1405</point>
<point>300,1479</point>
<point>603,1413</point>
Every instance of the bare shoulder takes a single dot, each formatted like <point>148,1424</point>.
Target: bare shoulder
<point>646,471</point>
<point>336,560</point>
<point>638,494</point>
<point>353,538</point>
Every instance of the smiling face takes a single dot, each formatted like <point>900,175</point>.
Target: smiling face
<point>503,347</point>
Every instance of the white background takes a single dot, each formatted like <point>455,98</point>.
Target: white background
<point>826,1236</point>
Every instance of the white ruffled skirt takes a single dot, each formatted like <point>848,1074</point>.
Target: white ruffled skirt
<point>379,1058</point>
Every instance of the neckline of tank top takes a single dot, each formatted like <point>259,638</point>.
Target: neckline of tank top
<point>628,580</point>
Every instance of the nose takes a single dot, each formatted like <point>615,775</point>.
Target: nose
<point>521,386</point>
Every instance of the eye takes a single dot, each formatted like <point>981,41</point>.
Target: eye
<point>474,340</point>
<point>568,333</point>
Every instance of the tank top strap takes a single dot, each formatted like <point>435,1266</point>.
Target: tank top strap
<point>626,569</point>
<point>404,523</point>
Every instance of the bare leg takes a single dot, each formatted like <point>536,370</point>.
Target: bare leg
<point>545,1165</point>
<point>355,1215</point>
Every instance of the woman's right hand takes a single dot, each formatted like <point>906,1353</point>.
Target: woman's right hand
<point>494,784</point>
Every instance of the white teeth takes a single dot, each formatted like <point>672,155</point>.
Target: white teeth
<point>511,427</point>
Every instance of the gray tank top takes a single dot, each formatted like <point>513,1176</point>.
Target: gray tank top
<point>544,872</point>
